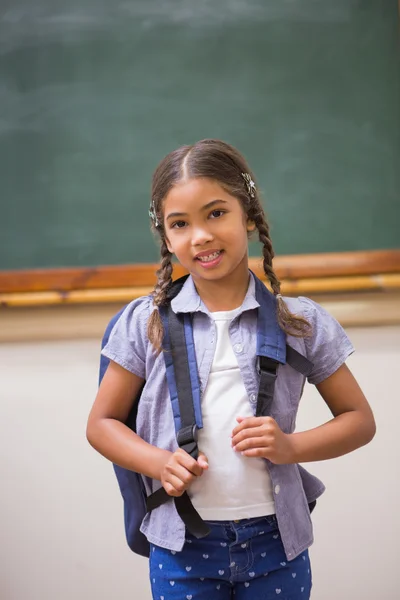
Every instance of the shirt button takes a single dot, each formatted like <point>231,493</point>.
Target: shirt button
<point>238,348</point>
<point>252,397</point>
<point>277,489</point>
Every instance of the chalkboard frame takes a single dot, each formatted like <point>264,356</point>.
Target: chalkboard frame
<point>377,270</point>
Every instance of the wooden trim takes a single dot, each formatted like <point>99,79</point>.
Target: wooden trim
<point>79,278</point>
<point>323,285</point>
<point>334,264</point>
<point>291,267</point>
<point>377,270</point>
<point>83,321</point>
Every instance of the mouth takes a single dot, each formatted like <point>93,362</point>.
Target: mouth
<point>209,257</point>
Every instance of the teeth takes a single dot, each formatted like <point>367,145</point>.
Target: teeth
<point>210,257</point>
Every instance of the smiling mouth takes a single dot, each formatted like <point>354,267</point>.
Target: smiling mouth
<point>209,257</point>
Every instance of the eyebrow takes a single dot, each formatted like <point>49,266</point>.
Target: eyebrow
<point>205,207</point>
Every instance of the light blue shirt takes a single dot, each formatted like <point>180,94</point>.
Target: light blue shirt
<point>293,487</point>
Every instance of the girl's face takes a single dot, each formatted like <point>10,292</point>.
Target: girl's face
<point>207,229</point>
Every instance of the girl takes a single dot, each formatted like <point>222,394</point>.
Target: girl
<point>246,483</point>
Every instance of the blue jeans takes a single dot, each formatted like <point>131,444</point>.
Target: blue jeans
<point>244,560</point>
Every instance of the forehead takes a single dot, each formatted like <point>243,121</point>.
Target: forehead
<point>193,194</point>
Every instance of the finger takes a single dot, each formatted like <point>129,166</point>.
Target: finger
<point>248,443</point>
<point>249,433</point>
<point>246,422</point>
<point>240,419</point>
<point>202,461</point>
<point>242,424</point>
<point>174,486</point>
<point>260,452</point>
<point>181,473</point>
<point>190,464</point>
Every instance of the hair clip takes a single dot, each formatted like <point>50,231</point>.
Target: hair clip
<point>251,186</point>
<point>278,296</point>
<point>153,215</point>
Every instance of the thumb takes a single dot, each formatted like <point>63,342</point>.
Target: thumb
<point>202,460</point>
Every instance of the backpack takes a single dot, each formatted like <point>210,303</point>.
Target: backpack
<point>184,388</point>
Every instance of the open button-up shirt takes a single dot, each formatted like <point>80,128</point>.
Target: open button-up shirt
<point>327,348</point>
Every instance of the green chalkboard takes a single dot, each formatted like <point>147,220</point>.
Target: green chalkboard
<point>94,93</point>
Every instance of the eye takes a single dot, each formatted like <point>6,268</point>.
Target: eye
<point>178,225</point>
<point>217,213</point>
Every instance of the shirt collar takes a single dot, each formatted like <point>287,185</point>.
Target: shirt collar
<point>189,301</point>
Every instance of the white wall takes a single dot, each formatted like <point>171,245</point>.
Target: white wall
<point>61,515</point>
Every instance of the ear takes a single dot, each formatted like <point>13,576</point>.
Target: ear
<point>251,226</point>
<point>167,243</point>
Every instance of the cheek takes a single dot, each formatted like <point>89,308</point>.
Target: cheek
<point>244,234</point>
<point>176,244</point>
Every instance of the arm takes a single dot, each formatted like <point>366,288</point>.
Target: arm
<point>353,426</point>
<point>108,434</point>
<point>106,430</point>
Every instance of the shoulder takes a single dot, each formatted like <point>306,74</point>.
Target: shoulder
<point>316,315</point>
<point>328,345</point>
<point>305,307</point>
<point>140,306</point>
<point>128,343</point>
<point>134,316</point>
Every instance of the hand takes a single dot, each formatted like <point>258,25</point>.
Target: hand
<point>262,437</point>
<point>180,470</point>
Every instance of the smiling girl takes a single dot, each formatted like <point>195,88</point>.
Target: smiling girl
<point>246,483</point>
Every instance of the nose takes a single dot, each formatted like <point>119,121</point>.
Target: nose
<point>201,235</point>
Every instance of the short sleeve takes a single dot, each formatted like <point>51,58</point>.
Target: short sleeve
<point>128,341</point>
<point>328,347</point>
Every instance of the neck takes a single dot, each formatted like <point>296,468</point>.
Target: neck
<point>224,294</point>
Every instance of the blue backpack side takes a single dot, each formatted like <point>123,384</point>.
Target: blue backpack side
<point>130,483</point>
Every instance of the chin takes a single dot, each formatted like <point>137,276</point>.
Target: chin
<point>212,274</point>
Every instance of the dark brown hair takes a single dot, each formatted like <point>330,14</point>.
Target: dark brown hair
<point>217,160</point>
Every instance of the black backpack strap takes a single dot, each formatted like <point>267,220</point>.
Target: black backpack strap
<point>187,434</point>
<point>268,374</point>
<point>268,368</point>
<point>298,362</point>
<point>176,287</point>
<point>185,509</point>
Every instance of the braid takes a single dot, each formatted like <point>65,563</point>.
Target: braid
<point>155,330</point>
<point>268,252</point>
<point>164,275</point>
<point>291,324</point>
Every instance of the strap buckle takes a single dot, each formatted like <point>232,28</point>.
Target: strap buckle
<point>268,373</point>
<point>267,365</point>
<point>187,438</point>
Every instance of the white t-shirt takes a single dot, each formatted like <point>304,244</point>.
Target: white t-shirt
<point>234,486</point>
